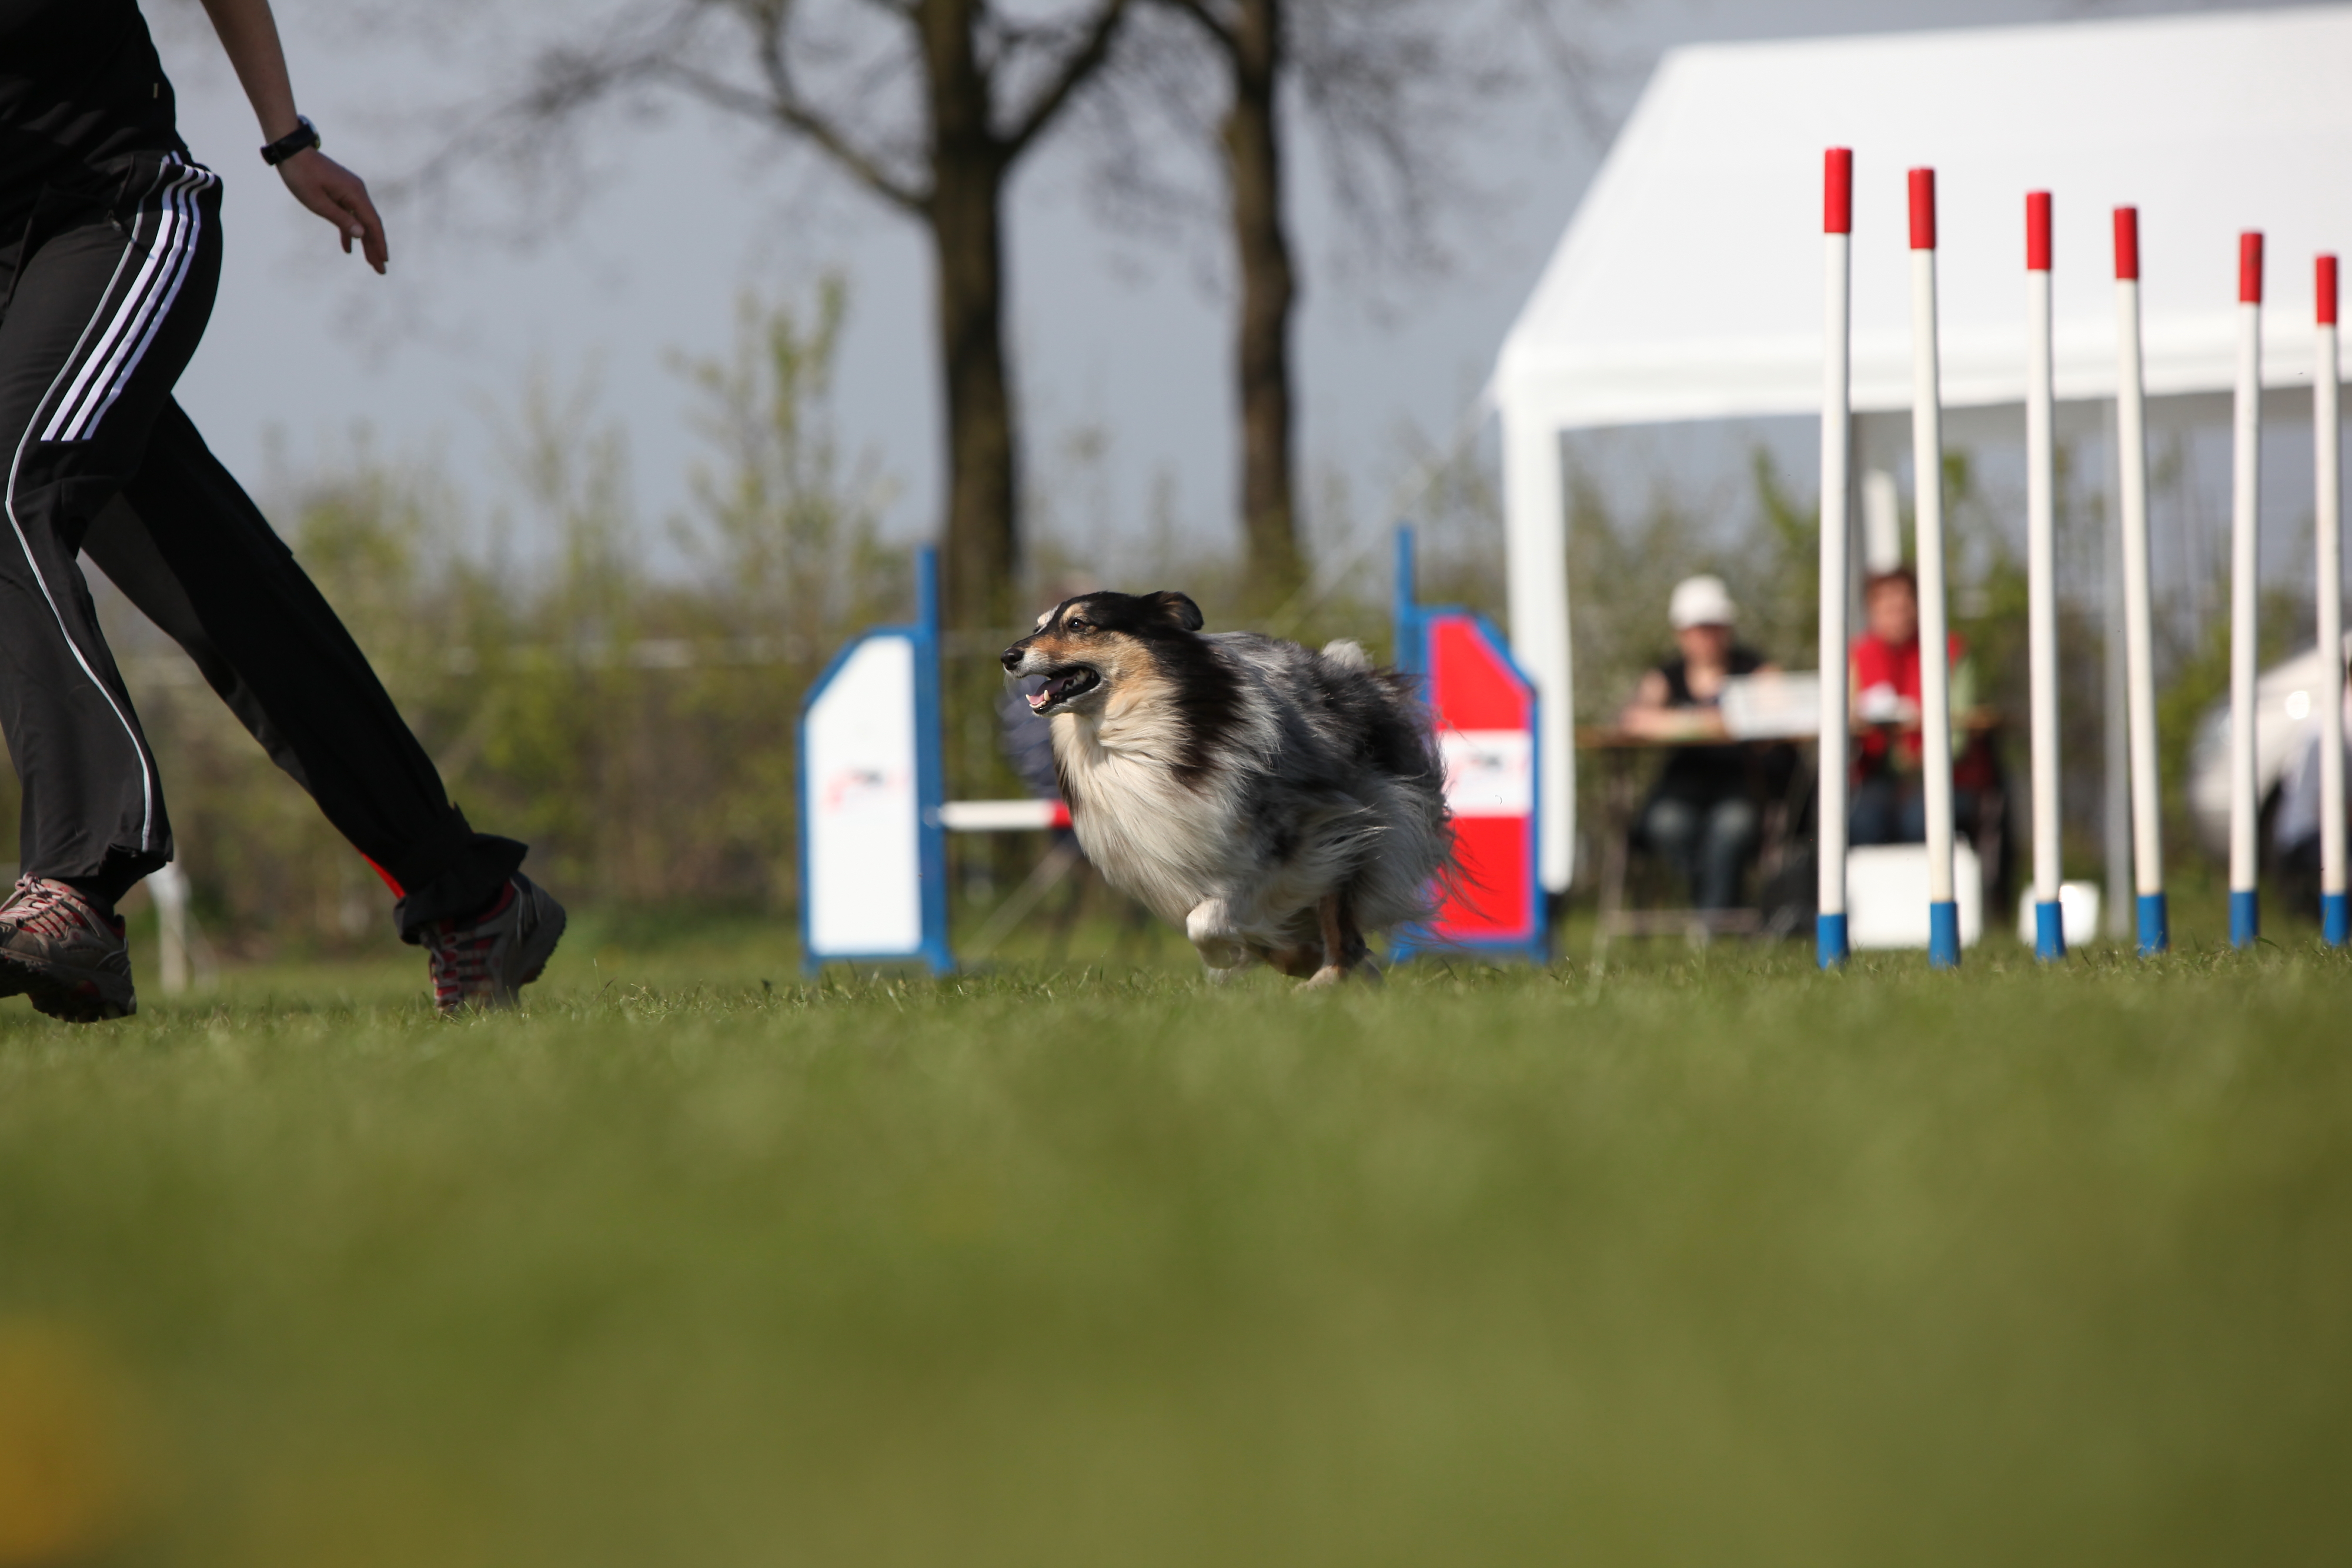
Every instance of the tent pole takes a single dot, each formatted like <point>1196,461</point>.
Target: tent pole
<point>2042,583</point>
<point>1837,429</point>
<point>1934,644</point>
<point>2334,918</point>
<point>1535,524</point>
<point>2139,668</point>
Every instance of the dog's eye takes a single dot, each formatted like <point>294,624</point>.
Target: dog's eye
<point>1077,624</point>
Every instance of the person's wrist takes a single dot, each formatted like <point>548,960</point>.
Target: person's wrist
<point>303,138</point>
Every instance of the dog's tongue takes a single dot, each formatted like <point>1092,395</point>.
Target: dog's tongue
<point>1058,687</point>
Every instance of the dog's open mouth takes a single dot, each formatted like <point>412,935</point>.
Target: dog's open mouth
<point>1062,685</point>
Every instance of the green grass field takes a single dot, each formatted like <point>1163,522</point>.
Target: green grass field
<point>1706,1259</point>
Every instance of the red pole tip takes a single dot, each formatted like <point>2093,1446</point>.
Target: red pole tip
<point>2037,231</point>
<point>2327,289</point>
<point>2250,267</point>
<point>2126,244</point>
<point>1923,209</point>
<point>1837,191</point>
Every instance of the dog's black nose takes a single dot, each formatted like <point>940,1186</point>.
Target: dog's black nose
<point>1012,657</point>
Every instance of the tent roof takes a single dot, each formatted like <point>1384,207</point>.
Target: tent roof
<point>1688,285</point>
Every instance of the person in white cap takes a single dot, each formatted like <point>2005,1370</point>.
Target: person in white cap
<point>1701,817</point>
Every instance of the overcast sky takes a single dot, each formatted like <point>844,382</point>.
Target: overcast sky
<point>1124,339</point>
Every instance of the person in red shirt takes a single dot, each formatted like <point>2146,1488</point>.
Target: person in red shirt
<point>1889,804</point>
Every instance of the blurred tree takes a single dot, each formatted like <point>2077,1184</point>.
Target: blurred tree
<point>927,105</point>
<point>1392,89</point>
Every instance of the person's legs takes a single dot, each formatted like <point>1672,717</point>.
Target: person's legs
<point>1728,839</point>
<point>1871,815</point>
<point>187,546</point>
<point>1669,827</point>
<point>104,308</point>
<point>1911,815</point>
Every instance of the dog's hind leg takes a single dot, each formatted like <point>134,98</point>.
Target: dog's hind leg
<point>1332,912</point>
<point>1299,962</point>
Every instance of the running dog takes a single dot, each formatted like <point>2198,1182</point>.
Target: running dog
<point>1275,801</point>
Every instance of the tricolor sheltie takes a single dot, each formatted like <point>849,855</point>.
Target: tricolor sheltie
<point>1277,802</point>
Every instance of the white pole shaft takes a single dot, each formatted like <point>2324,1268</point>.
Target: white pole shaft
<point>2041,587</point>
<point>1535,521</point>
<point>2245,564</point>
<point>1935,662</point>
<point>2139,665</point>
<point>2327,474</point>
<point>1837,428</point>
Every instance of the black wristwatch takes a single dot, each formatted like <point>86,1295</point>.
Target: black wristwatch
<point>302,139</point>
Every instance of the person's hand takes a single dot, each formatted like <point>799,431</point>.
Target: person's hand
<point>340,197</point>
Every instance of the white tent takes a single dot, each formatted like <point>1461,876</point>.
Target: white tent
<point>1688,284</point>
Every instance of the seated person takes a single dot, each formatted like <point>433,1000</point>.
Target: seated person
<point>1701,816</point>
<point>1890,803</point>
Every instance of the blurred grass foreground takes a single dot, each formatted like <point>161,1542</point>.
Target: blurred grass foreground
<point>1719,1261</point>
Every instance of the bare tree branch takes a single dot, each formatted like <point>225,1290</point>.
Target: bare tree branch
<point>798,117</point>
<point>1081,65</point>
<point>789,109</point>
<point>1209,21</point>
<point>1578,68</point>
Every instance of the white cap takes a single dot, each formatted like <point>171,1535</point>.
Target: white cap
<point>1701,601</point>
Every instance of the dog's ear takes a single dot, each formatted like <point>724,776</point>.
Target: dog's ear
<point>1176,609</point>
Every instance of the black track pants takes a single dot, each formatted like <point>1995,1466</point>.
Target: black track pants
<point>103,307</point>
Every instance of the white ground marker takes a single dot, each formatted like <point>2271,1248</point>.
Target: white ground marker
<point>2139,671</point>
<point>1837,245</point>
<point>1935,646</point>
<point>2245,593</point>
<point>2041,582</point>
<point>2335,916</point>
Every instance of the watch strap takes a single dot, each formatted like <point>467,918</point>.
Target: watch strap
<point>302,139</point>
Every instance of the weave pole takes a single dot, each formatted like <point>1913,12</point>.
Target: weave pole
<point>1830,945</point>
<point>2041,582</point>
<point>2245,591</point>
<point>2335,916</point>
<point>2139,668</point>
<point>1935,640</point>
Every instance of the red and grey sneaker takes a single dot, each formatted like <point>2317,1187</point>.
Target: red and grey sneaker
<point>59,950</point>
<point>482,960</point>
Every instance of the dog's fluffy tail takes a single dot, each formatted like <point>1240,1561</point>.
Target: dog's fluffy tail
<point>1347,653</point>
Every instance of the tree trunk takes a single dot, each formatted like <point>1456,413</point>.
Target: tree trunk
<point>1253,142</point>
<point>965,215</point>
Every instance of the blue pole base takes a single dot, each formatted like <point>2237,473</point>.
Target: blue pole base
<point>2049,931</point>
<point>2245,917</point>
<point>2155,925</point>
<point>1830,947</point>
<point>2334,918</point>
<point>1944,935</point>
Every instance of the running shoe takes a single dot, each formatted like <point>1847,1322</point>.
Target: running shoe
<point>482,961</point>
<point>59,950</point>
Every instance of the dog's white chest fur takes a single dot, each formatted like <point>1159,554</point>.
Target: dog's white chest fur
<point>1167,842</point>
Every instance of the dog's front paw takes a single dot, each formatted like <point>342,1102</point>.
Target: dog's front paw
<point>1329,975</point>
<point>1209,927</point>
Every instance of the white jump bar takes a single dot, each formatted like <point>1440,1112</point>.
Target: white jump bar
<point>1002,816</point>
